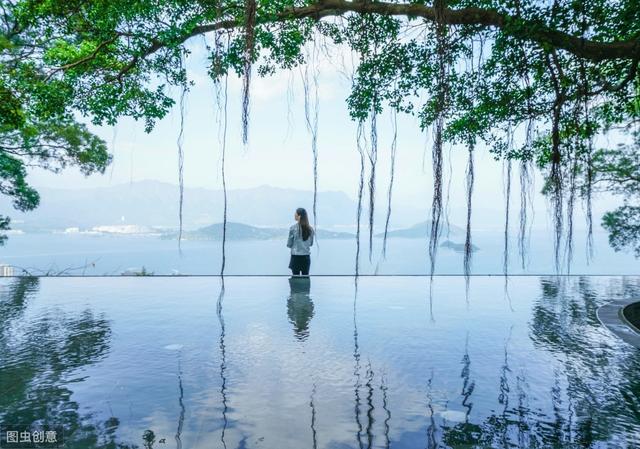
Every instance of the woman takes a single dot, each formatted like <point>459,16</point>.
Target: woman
<point>300,241</point>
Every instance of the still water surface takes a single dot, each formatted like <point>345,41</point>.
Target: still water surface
<point>269,363</point>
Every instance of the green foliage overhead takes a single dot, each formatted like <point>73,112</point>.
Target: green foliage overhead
<point>566,71</point>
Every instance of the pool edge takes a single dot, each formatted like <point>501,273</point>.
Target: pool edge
<point>611,317</point>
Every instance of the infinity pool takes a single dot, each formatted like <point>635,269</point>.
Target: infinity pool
<point>392,362</point>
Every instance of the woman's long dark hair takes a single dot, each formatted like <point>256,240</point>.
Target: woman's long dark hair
<point>305,228</point>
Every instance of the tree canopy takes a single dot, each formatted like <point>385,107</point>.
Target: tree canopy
<point>564,72</point>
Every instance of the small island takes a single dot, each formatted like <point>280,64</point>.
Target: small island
<point>241,231</point>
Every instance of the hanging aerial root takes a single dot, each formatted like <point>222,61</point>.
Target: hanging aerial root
<point>557,206</point>
<point>394,146</point>
<point>222,97</point>
<point>507,195</point>
<point>589,205</point>
<point>525,180</point>
<point>223,137</point>
<point>556,171</point>
<point>589,170</point>
<point>447,202</point>
<point>436,205</point>
<point>526,165</point>
<point>290,99</point>
<point>311,112</point>
<point>468,246</point>
<point>573,166</point>
<point>250,23</point>
<point>373,160</point>
<point>526,187</point>
<point>360,138</point>
<point>570,210</point>
<point>315,143</point>
<point>180,143</point>
<point>589,145</point>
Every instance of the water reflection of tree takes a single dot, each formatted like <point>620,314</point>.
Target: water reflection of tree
<point>223,365</point>
<point>594,388</point>
<point>369,390</point>
<point>356,368</point>
<point>432,427</point>
<point>466,433</point>
<point>178,435</point>
<point>38,358</point>
<point>595,396</point>
<point>600,371</point>
<point>387,411</point>
<point>314,432</point>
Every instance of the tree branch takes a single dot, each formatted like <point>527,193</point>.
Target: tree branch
<point>633,70</point>
<point>532,31</point>
<point>81,61</point>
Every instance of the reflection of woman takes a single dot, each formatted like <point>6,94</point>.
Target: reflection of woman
<point>300,306</point>
<point>300,241</point>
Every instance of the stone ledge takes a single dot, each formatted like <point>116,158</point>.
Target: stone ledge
<point>612,317</point>
<point>631,313</point>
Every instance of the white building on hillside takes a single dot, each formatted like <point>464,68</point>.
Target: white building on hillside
<point>6,270</point>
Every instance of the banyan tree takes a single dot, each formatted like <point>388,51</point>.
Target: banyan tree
<point>536,83</point>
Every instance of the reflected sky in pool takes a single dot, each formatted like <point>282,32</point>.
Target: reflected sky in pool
<point>269,362</point>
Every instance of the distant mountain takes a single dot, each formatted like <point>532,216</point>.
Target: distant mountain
<point>324,234</point>
<point>241,231</point>
<point>235,231</point>
<point>422,230</point>
<point>155,204</point>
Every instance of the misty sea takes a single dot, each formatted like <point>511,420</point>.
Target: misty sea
<point>82,254</point>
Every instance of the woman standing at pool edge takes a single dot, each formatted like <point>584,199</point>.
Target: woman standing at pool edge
<point>300,241</point>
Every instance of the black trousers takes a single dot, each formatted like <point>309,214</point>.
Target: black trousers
<point>300,265</point>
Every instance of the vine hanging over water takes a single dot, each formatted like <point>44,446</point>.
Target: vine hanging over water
<point>526,160</point>
<point>392,170</point>
<point>223,141</point>
<point>441,99</point>
<point>526,187</point>
<point>373,160</point>
<point>222,102</point>
<point>180,143</point>
<point>570,209</point>
<point>507,213</point>
<point>311,113</point>
<point>555,178</point>
<point>588,173</point>
<point>468,246</point>
<point>360,146</point>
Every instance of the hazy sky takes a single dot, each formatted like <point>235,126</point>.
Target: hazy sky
<point>279,152</point>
